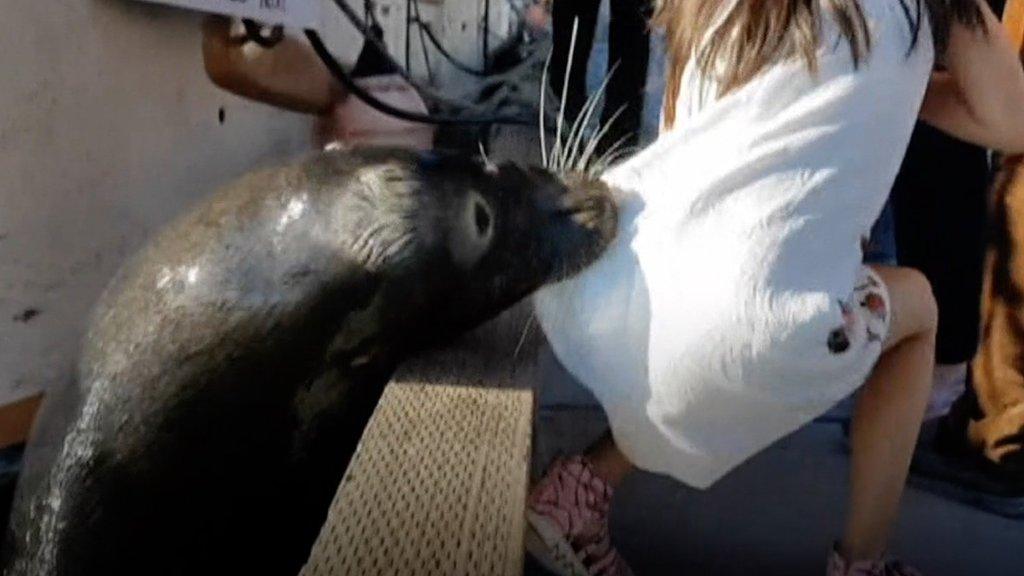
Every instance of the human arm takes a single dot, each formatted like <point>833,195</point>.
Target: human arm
<point>979,97</point>
<point>538,14</point>
<point>287,75</point>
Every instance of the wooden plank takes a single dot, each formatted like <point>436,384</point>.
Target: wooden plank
<point>16,420</point>
<point>438,484</point>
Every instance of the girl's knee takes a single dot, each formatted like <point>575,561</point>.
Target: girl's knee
<point>914,310</point>
<point>923,307</point>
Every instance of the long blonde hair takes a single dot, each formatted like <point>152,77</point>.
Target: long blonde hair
<point>757,33</point>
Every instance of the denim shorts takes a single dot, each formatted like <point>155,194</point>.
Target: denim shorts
<point>881,246</point>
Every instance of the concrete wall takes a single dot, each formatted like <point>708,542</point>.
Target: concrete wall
<point>108,128</point>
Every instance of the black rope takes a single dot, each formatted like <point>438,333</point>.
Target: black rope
<point>408,42</point>
<point>377,43</point>
<point>423,42</point>
<point>425,27</point>
<point>485,72</point>
<point>346,80</point>
<point>487,32</point>
<point>364,29</point>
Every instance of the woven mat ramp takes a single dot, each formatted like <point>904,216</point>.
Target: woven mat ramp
<point>438,483</point>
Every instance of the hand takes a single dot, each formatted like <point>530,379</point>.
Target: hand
<point>289,75</point>
<point>537,17</point>
<point>221,31</point>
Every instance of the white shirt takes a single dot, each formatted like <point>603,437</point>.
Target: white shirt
<point>703,328</point>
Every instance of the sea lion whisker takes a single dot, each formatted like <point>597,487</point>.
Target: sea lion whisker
<point>397,249</point>
<point>488,165</point>
<point>522,338</point>
<point>589,108</point>
<point>613,154</point>
<point>578,126</point>
<point>383,241</point>
<point>556,148</point>
<point>591,147</point>
<point>541,119</point>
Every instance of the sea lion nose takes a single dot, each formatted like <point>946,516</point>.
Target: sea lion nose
<point>590,205</point>
<point>598,213</point>
<point>595,215</point>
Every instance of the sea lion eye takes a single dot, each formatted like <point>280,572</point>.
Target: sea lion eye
<point>474,232</point>
<point>482,217</point>
<point>479,218</point>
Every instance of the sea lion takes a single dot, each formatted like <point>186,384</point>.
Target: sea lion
<point>231,365</point>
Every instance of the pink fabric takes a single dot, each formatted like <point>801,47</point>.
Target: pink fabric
<point>578,502</point>
<point>837,566</point>
<point>355,123</point>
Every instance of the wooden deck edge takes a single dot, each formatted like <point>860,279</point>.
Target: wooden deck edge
<point>16,419</point>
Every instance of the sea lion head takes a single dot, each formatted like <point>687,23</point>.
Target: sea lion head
<point>466,239</point>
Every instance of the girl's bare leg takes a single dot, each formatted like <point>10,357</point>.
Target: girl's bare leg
<point>887,419</point>
<point>888,415</point>
<point>608,462</point>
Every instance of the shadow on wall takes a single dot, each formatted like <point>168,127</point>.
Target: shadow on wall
<point>10,463</point>
<point>108,128</point>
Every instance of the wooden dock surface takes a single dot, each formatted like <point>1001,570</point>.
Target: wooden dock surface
<point>438,483</point>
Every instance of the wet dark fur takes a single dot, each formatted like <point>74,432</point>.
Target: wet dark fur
<point>231,365</point>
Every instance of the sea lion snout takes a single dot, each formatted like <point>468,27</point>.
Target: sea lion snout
<point>586,202</point>
<point>590,205</point>
<point>583,218</point>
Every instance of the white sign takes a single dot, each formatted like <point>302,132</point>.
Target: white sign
<point>297,13</point>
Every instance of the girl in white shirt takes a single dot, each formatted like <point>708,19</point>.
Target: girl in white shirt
<point>733,307</point>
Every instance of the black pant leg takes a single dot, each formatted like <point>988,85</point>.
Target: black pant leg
<point>563,14</point>
<point>629,48</point>
<point>940,203</point>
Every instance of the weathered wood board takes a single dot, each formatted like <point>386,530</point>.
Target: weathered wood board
<point>438,484</point>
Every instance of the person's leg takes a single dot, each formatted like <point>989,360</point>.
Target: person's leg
<point>629,45</point>
<point>563,14</point>
<point>608,461</point>
<point>888,415</point>
<point>880,249</point>
<point>567,512</point>
<point>940,206</point>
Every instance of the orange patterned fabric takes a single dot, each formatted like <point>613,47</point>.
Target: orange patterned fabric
<point>995,405</point>
<point>1013,19</point>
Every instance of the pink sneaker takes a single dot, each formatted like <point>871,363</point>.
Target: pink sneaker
<point>567,512</point>
<point>837,566</point>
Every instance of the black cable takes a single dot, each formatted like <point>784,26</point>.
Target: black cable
<point>423,42</point>
<point>370,61</point>
<point>370,18</point>
<point>487,33</point>
<point>343,77</point>
<point>339,73</point>
<point>364,29</point>
<point>425,27</point>
<point>408,42</point>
